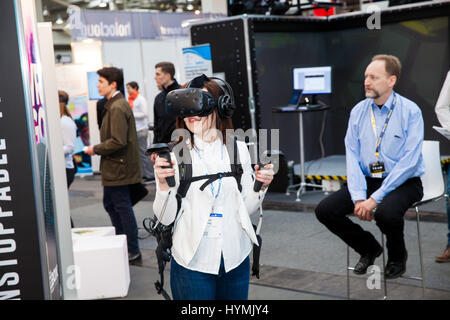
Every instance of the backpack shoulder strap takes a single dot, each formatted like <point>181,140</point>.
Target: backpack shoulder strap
<point>236,166</point>
<point>185,172</point>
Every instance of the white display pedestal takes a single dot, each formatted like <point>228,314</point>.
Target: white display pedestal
<point>102,259</point>
<point>82,233</point>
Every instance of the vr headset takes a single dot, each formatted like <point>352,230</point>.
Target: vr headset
<point>193,101</point>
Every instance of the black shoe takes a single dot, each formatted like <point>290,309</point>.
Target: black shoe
<point>366,261</point>
<point>134,258</point>
<point>395,269</point>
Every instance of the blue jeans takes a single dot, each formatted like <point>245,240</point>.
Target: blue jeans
<point>193,285</point>
<point>117,203</point>
<point>448,205</point>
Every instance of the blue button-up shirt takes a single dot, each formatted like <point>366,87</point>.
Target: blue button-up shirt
<point>400,149</point>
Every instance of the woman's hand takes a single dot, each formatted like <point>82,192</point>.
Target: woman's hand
<point>162,173</point>
<point>264,175</point>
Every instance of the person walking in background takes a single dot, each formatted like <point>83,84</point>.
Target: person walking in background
<point>119,164</point>
<point>443,114</point>
<point>164,124</point>
<point>69,138</point>
<point>138,104</point>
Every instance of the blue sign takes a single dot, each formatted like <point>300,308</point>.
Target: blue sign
<point>197,61</point>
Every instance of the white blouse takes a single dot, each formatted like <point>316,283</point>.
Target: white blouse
<point>69,138</point>
<point>200,240</point>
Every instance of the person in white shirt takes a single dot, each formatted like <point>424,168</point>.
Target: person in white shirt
<point>443,114</point>
<point>69,137</point>
<point>213,234</point>
<point>138,104</point>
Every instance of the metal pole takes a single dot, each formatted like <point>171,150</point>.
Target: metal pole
<point>384,264</point>
<point>420,251</point>
<point>348,272</point>
<point>251,97</point>
<point>302,156</point>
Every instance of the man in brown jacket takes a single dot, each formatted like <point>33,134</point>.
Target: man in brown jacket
<point>119,164</point>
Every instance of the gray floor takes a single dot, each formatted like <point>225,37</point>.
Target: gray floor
<point>300,258</point>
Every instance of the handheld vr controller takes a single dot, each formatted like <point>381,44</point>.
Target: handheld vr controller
<point>163,150</point>
<point>258,184</point>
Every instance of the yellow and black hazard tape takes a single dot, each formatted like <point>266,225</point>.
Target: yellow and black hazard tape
<point>344,178</point>
<point>317,177</point>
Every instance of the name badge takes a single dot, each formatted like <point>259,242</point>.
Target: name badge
<point>214,227</point>
<point>377,169</point>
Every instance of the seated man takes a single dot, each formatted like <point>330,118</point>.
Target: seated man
<point>384,164</point>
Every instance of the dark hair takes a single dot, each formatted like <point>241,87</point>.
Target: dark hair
<point>133,84</point>
<point>222,124</point>
<point>392,64</point>
<point>63,96</point>
<point>166,67</point>
<point>112,74</point>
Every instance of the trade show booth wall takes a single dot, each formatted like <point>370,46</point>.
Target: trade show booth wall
<point>258,54</point>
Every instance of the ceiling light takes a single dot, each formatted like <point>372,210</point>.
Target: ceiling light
<point>59,20</point>
<point>197,11</point>
<point>190,7</point>
<point>45,12</point>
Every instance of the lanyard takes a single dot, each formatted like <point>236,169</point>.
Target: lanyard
<point>383,130</point>
<point>211,185</point>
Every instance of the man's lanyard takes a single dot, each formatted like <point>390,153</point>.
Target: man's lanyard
<point>383,130</point>
<point>211,185</point>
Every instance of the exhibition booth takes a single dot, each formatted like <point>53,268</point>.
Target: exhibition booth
<point>265,50</point>
<point>265,59</point>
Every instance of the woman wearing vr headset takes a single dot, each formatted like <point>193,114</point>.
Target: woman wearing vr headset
<point>213,234</point>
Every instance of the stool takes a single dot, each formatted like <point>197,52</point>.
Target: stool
<point>419,243</point>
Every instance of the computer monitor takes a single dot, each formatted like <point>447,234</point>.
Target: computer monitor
<point>315,80</point>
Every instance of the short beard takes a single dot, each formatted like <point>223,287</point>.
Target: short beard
<point>375,95</point>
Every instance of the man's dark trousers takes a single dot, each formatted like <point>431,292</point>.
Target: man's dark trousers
<point>333,210</point>
<point>117,203</point>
